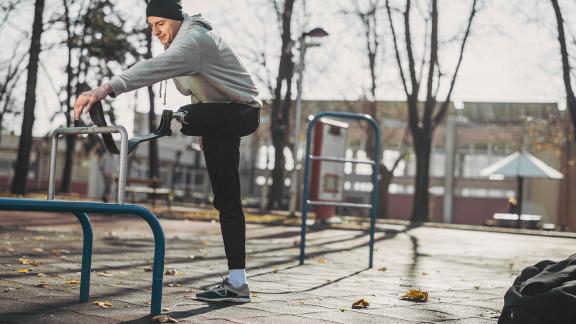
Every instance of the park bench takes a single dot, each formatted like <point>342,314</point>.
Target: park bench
<point>152,188</point>
<point>511,220</point>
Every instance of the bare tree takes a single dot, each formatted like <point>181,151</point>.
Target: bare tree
<point>97,42</point>
<point>6,9</point>
<point>25,144</point>
<point>570,98</point>
<point>368,14</point>
<point>153,161</point>
<point>14,71</point>
<point>282,101</point>
<point>422,121</point>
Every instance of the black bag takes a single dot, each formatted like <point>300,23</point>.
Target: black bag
<point>543,294</point>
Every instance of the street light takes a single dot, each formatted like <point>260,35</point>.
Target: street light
<point>317,33</point>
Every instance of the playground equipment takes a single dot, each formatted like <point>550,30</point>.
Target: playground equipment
<point>308,157</point>
<point>82,209</point>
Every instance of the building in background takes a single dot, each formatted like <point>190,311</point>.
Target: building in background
<point>484,133</point>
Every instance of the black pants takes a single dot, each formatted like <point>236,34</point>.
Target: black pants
<point>221,126</point>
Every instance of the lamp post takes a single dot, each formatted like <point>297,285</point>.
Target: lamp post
<point>316,32</point>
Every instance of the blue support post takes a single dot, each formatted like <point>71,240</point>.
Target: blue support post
<point>86,256</point>
<point>375,173</point>
<point>80,209</point>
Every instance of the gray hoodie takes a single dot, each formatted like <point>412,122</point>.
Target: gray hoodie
<point>201,65</point>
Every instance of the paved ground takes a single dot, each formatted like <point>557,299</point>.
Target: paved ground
<point>466,273</point>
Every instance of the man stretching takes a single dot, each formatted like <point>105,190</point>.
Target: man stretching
<point>225,106</point>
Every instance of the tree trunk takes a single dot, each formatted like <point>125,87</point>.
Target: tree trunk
<point>70,139</point>
<point>383,194</point>
<point>422,146</point>
<point>570,98</point>
<point>280,110</point>
<point>25,144</point>
<point>153,162</point>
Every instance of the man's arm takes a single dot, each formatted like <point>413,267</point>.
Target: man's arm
<point>182,58</point>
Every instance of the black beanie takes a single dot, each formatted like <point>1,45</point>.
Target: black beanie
<point>171,9</point>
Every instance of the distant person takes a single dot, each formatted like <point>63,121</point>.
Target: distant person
<point>108,166</point>
<point>225,106</point>
<point>512,205</point>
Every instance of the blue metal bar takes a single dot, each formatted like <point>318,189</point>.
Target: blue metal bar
<point>86,256</point>
<point>78,207</point>
<point>375,166</point>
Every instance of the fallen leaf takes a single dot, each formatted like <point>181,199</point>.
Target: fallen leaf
<point>72,281</point>
<point>41,284</point>
<point>148,269</point>
<point>323,260</point>
<point>362,303</point>
<point>476,287</point>
<point>164,319</point>
<point>104,304</point>
<point>40,275</point>
<point>104,274</point>
<point>38,250</point>
<point>24,270</point>
<point>253,294</point>
<point>59,251</point>
<point>276,269</point>
<point>424,273</point>
<point>190,257</point>
<point>38,238</point>
<point>171,272</point>
<point>383,269</point>
<point>166,309</point>
<point>342,309</point>
<point>415,295</point>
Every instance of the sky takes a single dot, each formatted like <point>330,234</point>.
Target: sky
<point>512,54</point>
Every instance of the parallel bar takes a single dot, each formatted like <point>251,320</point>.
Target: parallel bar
<point>91,130</point>
<point>342,160</point>
<point>86,256</point>
<point>80,207</point>
<point>337,204</point>
<point>375,172</point>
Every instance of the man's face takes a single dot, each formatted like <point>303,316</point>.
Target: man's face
<point>164,29</point>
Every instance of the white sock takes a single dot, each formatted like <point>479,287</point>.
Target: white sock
<point>237,277</point>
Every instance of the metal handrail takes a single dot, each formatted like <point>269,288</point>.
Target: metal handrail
<point>80,209</point>
<point>374,196</point>
<point>91,130</point>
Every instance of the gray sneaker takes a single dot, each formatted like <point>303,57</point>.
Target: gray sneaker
<point>225,292</point>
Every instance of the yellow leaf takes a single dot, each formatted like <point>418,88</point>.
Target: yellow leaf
<point>254,294</point>
<point>72,281</point>
<point>415,295</point>
<point>104,304</point>
<point>24,261</point>
<point>24,270</point>
<point>323,260</point>
<point>362,303</point>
